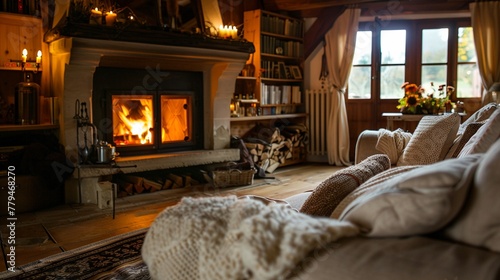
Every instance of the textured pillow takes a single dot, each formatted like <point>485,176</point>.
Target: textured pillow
<point>328,194</point>
<point>414,202</point>
<point>479,222</point>
<point>431,140</point>
<point>392,143</point>
<point>368,186</point>
<point>480,115</point>
<point>485,136</point>
<point>470,130</point>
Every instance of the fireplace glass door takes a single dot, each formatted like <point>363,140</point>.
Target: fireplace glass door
<point>133,120</point>
<point>176,124</point>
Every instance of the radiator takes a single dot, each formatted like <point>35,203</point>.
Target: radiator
<point>318,111</point>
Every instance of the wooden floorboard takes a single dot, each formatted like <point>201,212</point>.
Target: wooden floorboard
<point>47,232</point>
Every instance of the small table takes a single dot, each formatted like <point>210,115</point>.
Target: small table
<point>391,117</point>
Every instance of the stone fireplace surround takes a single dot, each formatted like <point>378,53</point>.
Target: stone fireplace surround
<point>73,62</point>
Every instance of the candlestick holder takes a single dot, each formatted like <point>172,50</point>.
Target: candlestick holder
<point>23,64</point>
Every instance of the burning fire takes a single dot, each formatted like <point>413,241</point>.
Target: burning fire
<point>132,120</point>
<point>175,121</point>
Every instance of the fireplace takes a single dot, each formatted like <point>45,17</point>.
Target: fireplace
<point>164,116</point>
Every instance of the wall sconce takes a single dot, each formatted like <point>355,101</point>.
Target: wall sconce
<point>495,91</point>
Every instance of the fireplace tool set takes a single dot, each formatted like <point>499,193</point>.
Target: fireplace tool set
<point>90,150</point>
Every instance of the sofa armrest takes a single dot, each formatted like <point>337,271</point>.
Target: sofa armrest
<point>365,145</point>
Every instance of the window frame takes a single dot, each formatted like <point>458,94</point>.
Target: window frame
<point>414,51</point>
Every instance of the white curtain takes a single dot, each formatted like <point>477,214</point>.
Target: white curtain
<point>340,43</point>
<point>486,27</point>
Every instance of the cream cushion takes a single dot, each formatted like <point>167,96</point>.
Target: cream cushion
<point>480,115</point>
<point>368,186</point>
<point>485,136</point>
<point>470,130</point>
<point>431,140</point>
<point>329,193</point>
<point>418,201</point>
<point>479,222</point>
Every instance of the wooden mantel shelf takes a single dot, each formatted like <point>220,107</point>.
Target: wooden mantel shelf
<point>31,127</point>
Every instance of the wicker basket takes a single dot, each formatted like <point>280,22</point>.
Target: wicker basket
<point>233,177</point>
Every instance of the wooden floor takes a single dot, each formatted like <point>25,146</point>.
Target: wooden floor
<point>47,232</point>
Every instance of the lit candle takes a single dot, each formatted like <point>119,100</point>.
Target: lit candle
<point>221,31</point>
<point>96,12</point>
<point>25,55</point>
<point>110,18</point>
<point>235,32</point>
<point>39,56</point>
<point>96,16</point>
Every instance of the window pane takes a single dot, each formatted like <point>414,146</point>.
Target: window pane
<point>363,52</point>
<point>435,45</point>
<point>393,46</point>
<point>433,73</point>
<point>360,83</point>
<point>391,79</point>
<point>466,49</point>
<point>469,81</point>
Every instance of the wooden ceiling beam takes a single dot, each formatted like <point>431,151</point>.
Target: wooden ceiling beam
<point>299,5</point>
<point>315,34</point>
<point>312,8</point>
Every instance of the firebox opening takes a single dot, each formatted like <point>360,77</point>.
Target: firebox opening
<point>146,119</point>
<point>132,120</point>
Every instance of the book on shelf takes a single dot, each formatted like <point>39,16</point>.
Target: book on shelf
<point>280,94</point>
<point>282,26</point>
<point>291,48</point>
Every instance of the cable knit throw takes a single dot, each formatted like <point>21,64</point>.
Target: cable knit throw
<point>231,238</point>
<point>392,143</point>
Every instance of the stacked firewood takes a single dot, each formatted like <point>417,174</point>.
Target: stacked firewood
<point>130,184</point>
<point>272,147</point>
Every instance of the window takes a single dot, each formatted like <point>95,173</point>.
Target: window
<point>420,52</point>
<point>360,78</point>
<point>392,68</point>
<point>468,78</point>
<point>434,57</point>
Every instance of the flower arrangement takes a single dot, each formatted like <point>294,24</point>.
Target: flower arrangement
<point>417,100</point>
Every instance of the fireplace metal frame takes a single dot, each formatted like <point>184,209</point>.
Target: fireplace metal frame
<point>196,125</point>
<point>131,81</point>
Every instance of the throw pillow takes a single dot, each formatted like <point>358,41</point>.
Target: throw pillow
<point>419,201</point>
<point>392,143</point>
<point>431,140</point>
<point>368,186</point>
<point>328,194</point>
<point>480,115</point>
<point>470,130</point>
<point>484,138</point>
<point>478,223</point>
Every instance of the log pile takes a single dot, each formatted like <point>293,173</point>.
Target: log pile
<point>131,184</point>
<point>273,147</point>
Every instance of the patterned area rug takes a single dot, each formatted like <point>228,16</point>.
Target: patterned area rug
<point>116,258</point>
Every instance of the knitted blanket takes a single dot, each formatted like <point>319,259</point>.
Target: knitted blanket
<point>392,143</point>
<point>231,238</point>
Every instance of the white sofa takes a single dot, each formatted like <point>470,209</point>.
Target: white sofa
<point>436,220</point>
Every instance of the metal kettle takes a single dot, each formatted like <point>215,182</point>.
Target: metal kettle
<point>105,152</point>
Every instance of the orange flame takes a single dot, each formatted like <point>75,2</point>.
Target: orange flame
<point>133,127</point>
